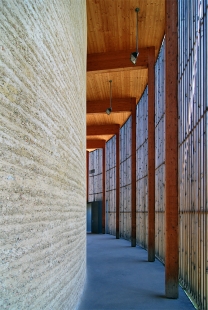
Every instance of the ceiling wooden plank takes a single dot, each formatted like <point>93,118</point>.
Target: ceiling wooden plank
<point>112,24</point>
<point>104,119</point>
<point>116,61</point>
<point>118,105</point>
<point>101,137</point>
<point>125,84</point>
<point>102,129</point>
<point>95,144</point>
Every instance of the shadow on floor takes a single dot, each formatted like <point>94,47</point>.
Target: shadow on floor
<point>118,279</point>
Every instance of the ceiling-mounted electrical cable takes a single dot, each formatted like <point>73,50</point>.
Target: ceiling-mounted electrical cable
<point>134,55</point>
<point>109,110</point>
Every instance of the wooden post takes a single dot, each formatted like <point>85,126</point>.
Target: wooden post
<point>133,176</point>
<point>103,205</point>
<point>171,150</point>
<point>117,183</point>
<point>151,154</point>
<point>87,175</point>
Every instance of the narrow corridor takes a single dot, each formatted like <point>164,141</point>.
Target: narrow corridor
<point>119,277</point>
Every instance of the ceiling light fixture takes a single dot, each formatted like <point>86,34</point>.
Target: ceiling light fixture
<point>134,55</point>
<point>109,110</point>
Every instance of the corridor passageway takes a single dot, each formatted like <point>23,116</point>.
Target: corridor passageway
<point>119,277</point>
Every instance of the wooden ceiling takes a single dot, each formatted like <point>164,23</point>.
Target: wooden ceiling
<point>111,38</point>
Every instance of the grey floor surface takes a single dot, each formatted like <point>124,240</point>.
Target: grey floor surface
<point>119,277</point>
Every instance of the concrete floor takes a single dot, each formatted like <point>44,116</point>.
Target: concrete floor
<point>120,278</point>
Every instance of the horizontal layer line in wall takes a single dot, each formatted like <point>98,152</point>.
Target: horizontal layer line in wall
<point>145,176</point>
<point>163,163</point>
<point>142,144</point>
<point>110,169</point>
<point>162,116</point>
<point>95,194</point>
<point>110,190</point>
<point>123,161</point>
<point>194,212</point>
<point>94,175</point>
<point>125,185</point>
<point>192,130</point>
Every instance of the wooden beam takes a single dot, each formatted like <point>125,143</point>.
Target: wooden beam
<point>103,204</point>
<point>133,178</point>
<point>95,144</point>
<point>171,149</point>
<point>118,105</point>
<point>151,155</point>
<point>110,129</point>
<point>117,183</point>
<point>119,60</point>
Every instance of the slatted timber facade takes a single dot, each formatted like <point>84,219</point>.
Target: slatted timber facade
<point>193,149</point>
<point>160,154</point>
<point>125,180</point>
<point>142,170</point>
<point>95,176</point>
<point>111,186</point>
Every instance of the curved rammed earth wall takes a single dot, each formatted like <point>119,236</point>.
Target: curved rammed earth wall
<point>42,153</point>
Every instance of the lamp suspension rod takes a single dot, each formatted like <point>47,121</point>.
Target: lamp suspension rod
<point>110,93</point>
<point>137,10</point>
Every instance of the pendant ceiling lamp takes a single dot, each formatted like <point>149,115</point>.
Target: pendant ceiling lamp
<point>109,110</point>
<point>134,55</point>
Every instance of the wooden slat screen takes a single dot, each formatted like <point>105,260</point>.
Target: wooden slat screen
<point>111,186</point>
<point>141,173</point>
<point>160,154</point>
<point>193,144</point>
<point>125,180</point>
<point>95,175</point>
